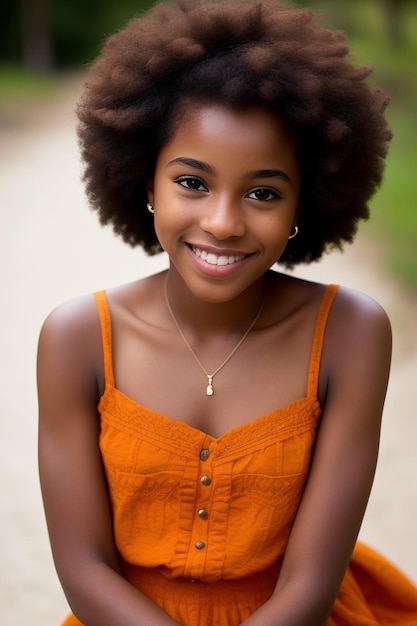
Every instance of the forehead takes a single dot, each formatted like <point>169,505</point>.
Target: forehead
<point>252,133</point>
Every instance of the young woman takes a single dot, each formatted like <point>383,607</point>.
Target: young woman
<point>209,435</point>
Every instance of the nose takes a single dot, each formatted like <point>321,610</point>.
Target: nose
<point>223,218</point>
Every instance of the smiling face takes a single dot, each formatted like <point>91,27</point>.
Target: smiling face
<point>225,193</point>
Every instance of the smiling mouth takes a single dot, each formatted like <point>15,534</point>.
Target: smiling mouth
<point>214,259</point>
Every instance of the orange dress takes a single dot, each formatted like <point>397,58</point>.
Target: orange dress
<point>201,524</point>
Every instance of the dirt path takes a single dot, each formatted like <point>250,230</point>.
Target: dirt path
<point>51,249</point>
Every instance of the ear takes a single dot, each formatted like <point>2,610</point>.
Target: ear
<point>150,189</point>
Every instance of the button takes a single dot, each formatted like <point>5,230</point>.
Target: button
<point>206,480</point>
<point>200,545</point>
<point>204,454</point>
<point>202,514</point>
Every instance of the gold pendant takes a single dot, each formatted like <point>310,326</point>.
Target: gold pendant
<point>210,390</point>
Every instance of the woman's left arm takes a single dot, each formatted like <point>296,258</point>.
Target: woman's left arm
<point>355,365</point>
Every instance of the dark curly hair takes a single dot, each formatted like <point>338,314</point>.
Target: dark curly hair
<point>237,54</point>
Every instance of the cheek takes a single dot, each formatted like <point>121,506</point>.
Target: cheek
<point>274,233</point>
<point>160,225</point>
<point>276,226</point>
<point>167,222</point>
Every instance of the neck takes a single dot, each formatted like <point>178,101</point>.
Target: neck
<point>203,318</point>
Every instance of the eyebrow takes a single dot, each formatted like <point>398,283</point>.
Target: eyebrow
<point>269,174</point>
<point>205,167</point>
<point>198,165</point>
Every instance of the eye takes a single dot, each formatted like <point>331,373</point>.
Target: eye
<point>191,183</point>
<point>263,194</point>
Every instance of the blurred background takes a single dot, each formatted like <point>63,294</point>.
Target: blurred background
<point>51,250</point>
<point>41,41</point>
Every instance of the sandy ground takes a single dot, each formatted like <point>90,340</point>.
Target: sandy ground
<point>51,250</point>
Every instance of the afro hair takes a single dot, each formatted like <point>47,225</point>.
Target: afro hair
<point>234,53</point>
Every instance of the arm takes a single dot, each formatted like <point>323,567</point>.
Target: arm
<point>72,479</point>
<point>355,364</point>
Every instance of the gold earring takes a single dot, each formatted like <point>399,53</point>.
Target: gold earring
<point>150,208</point>
<point>295,233</point>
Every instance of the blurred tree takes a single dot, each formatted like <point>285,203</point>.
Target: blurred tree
<point>394,12</point>
<point>341,14</point>
<point>44,34</point>
<point>9,27</point>
<point>36,35</point>
<point>80,26</point>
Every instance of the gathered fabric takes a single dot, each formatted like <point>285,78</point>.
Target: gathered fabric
<point>201,524</point>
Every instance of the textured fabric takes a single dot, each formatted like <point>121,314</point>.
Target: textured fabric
<point>201,523</point>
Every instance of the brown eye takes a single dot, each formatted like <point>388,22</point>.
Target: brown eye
<point>263,194</point>
<point>192,183</point>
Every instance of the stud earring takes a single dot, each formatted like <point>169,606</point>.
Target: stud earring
<point>294,234</point>
<point>150,208</point>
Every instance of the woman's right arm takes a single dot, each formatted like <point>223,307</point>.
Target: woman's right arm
<point>72,478</point>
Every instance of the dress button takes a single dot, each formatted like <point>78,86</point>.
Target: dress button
<point>200,545</point>
<point>206,480</point>
<point>202,514</point>
<point>204,454</point>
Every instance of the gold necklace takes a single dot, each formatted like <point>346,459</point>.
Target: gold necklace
<point>210,388</point>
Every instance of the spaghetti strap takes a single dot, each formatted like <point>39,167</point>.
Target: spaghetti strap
<point>314,369</point>
<point>105,323</point>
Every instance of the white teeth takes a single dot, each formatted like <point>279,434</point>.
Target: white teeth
<point>213,259</point>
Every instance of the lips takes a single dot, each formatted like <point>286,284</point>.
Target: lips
<point>217,259</point>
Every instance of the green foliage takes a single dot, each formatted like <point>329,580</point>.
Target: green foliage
<point>16,83</point>
<point>394,215</point>
<point>80,26</point>
<point>383,33</point>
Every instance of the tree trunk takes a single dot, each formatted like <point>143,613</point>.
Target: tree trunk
<point>37,47</point>
<point>394,10</point>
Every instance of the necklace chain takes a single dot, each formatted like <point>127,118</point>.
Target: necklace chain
<point>210,388</point>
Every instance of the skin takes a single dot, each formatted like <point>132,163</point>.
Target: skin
<point>226,183</point>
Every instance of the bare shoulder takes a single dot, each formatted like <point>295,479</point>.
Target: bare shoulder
<point>350,309</point>
<point>72,331</point>
<point>354,317</point>
<point>356,313</point>
<point>70,352</point>
<point>358,330</point>
<point>358,335</point>
<point>71,326</point>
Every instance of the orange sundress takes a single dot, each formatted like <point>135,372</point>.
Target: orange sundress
<point>201,524</point>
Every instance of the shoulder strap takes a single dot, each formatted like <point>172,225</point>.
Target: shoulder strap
<point>316,351</point>
<point>105,323</point>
